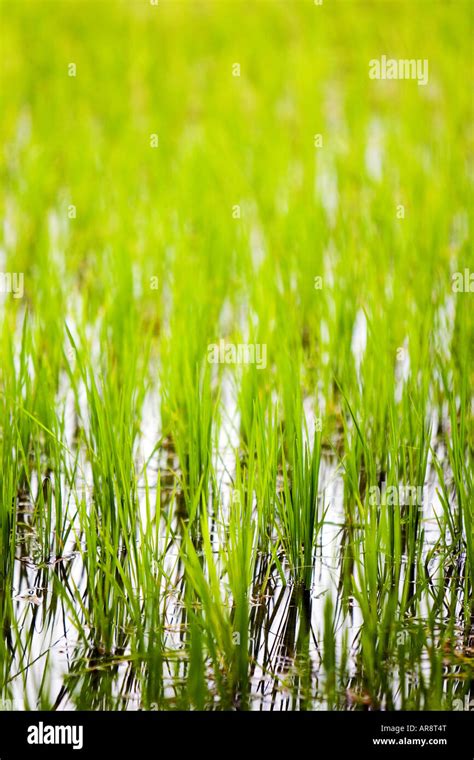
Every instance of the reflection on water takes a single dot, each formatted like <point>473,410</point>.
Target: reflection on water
<point>59,661</point>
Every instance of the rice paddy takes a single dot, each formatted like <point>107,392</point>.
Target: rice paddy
<point>236,330</point>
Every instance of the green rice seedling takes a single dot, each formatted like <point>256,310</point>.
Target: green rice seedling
<point>299,509</point>
<point>215,622</point>
<point>180,531</point>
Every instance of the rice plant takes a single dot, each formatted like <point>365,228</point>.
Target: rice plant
<point>236,411</point>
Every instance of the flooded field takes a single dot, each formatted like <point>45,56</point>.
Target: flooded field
<point>236,335</point>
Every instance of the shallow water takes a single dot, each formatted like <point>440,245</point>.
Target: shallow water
<point>286,646</point>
